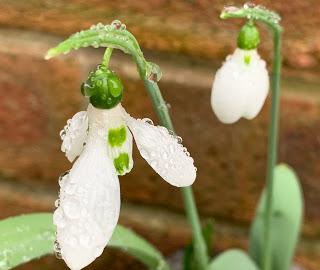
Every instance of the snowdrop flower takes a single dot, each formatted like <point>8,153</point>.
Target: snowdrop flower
<point>241,85</point>
<point>89,201</point>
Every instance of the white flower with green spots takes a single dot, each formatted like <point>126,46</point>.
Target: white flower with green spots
<point>241,85</point>
<point>89,202</point>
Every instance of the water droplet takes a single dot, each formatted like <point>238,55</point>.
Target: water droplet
<point>230,9</point>
<point>62,134</point>
<point>70,188</point>
<point>249,5</point>
<point>95,44</point>
<point>179,139</point>
<point>148,121</point>
<point>165,155</point>
<point>71,210</point>
<point>57,250</point>
<point>58,218</point>
<point>116,24</point>
<point>63,177</point>
<point>57,203</point>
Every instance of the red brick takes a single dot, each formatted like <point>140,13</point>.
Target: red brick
<point>184,27</point>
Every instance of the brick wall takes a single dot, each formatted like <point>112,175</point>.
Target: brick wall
<point>188,41</point>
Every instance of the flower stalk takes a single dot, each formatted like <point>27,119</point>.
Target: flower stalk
<point>273,145</point>
<point>271,19</point>
<point>106,57</point>
<point>201,253</point>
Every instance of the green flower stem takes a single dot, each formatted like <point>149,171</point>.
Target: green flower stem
<point>107,56</point>
<point>273,146</point>
<point>271,19</point>
<point>201,253</point>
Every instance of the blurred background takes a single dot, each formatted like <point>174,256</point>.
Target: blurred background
<point>189,42</point>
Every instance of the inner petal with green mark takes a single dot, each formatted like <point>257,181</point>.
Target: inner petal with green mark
<point>119,144</point>
<point>117,136</point>
<point>121,163</point>
<point>247,59</point>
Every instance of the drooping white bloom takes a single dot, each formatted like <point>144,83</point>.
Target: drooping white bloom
<point>240,86</point>
<point>89,201</point>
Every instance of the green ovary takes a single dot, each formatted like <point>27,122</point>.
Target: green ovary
<point>116,137</point>
<point>121,163</point>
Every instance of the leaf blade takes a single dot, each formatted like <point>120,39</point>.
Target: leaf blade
<point>231,260</point>
<point>26,237</point>
<point>286,220</point>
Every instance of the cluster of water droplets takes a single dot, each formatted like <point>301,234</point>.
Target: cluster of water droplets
<point>254,12</point>
<point>83,38</point>
<point>162,149</point>
<point>69,208</point>
<point>74,134</point>
<point>58,217</point>
<point>19,248</point>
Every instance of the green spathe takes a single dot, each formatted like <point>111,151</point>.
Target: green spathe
<point>117,136</point>
<point>249,37</point>
<point>103,87</point>
<point>121,162</point>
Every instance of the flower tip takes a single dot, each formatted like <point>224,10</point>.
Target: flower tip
<point>223,15</point>
<point>50,53</point>
<point>48,56</point>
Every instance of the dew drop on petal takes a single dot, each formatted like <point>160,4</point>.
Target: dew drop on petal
<point>57,250</point>
<point>58,218</point>
<point>71,210</point>
<point>57,203</point>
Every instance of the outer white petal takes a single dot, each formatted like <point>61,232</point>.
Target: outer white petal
<point>89,205</point>
<point>240,88</point>
<point>163,152</point>
<point>74,135</point>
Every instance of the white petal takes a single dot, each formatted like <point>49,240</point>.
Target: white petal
<point>74,135</point>
<point>114,130</point>
<point>163,152</point>
<point>240,87</point>
<point>89,206</point>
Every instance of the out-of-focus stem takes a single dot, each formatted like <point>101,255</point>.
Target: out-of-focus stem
<point>272,147</point>
<point>200,248</point>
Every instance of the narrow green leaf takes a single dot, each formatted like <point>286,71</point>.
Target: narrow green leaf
<point>131,243</point>
<point>287,216</point>
<point>26,237</point>
<point>233,259</point>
